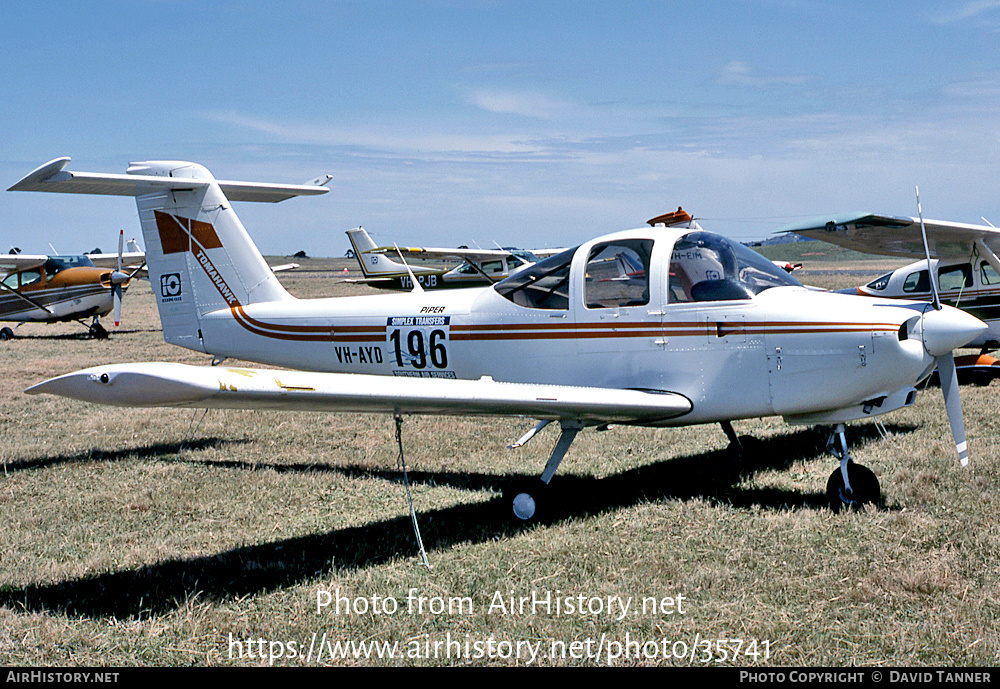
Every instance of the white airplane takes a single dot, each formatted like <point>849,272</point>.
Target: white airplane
<point>707,332</point>
<point>964,261</point>
<point>42,288</point>
<point>477,266</point>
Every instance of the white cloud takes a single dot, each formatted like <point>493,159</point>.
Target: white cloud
<point>526,103</point>
<point>737,73</point>
<point>396,139</point>
<point>969,10</point>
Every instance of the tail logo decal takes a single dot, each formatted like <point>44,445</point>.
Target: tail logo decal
<point>181,234</point>
<point>170,287</point>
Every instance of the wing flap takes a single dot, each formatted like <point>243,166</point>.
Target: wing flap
<point>182,385</point>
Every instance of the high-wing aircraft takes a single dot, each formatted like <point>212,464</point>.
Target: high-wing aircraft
<point>964,261</point>
<point>51,288</point>
<point>476,266</point>
<point>706,332</point>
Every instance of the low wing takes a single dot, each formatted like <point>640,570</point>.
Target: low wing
<point>182,385</point>
<point>898,236</point>
<point>470,255</point>
<point>13,263</point>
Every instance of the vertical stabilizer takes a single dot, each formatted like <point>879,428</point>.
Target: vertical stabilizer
<point>372,264</point>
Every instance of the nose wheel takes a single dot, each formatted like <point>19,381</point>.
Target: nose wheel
<point>851,486</point>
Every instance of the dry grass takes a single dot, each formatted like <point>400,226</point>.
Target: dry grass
<point>153,537</point>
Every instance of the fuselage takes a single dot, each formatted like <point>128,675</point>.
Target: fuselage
<point>733,333</point>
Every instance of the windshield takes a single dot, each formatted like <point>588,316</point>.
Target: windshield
<point>57,264</point>
<point>709,267</point>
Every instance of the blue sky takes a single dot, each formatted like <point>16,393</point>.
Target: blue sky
<point>521,123</point>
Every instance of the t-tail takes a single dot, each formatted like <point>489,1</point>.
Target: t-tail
<point>199,256</point>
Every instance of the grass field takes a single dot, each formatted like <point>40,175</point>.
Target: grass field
<point>160,537</point>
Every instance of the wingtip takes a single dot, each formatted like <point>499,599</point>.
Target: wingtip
<point>40,174</point>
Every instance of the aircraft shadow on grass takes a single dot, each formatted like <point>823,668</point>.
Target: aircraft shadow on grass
<point>251,570</point>
<point>158,450</point>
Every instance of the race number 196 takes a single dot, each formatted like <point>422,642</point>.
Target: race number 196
<point>419,343</point>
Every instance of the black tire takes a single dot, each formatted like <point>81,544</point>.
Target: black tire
<point>865,489</point>
<point>98,331</point>
<point>6,334</point>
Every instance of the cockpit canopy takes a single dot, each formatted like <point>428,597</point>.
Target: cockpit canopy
<point>57,264</point>
<point>709,267</point>
<point>619,272</point>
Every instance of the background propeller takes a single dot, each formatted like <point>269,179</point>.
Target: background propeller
<point>119,279</point>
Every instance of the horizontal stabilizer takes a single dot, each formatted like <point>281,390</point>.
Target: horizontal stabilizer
<point>182,385</point>
<point>53,177</point>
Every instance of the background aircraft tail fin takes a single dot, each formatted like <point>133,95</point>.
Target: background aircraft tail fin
<point>373,265</point>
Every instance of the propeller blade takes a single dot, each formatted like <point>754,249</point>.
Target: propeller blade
<point>121,248</point>
<point>117,289</point>
<point>935,297</point>
<point>949,387</point>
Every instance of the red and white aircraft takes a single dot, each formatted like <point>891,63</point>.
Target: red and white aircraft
<point>707,331</point>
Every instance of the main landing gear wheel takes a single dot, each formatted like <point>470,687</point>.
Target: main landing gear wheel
<point>527,499</point>
<point>97,331</point>
<point>864,489</point>
<point>6,334</point>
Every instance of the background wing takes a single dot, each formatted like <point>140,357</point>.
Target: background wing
<point>436,254</point>
<point>12,263</point>
<point>897,236</point>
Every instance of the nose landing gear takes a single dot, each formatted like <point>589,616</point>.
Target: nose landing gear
<point>851,486</point>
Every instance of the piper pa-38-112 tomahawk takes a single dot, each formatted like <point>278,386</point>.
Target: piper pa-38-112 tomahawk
<point>51,289</point>
<point>706,332</point>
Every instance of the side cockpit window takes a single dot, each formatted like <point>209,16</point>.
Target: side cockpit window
<point>544,285</point>
<point>618,274</point>
<point>881,283</point>
<point>709,267</point>
<point>955,277</point>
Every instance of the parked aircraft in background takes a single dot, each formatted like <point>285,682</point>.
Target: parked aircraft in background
<point>42,288</point>
<point>706,331</point>
<point>964,261</point>
<point>476,266</point>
